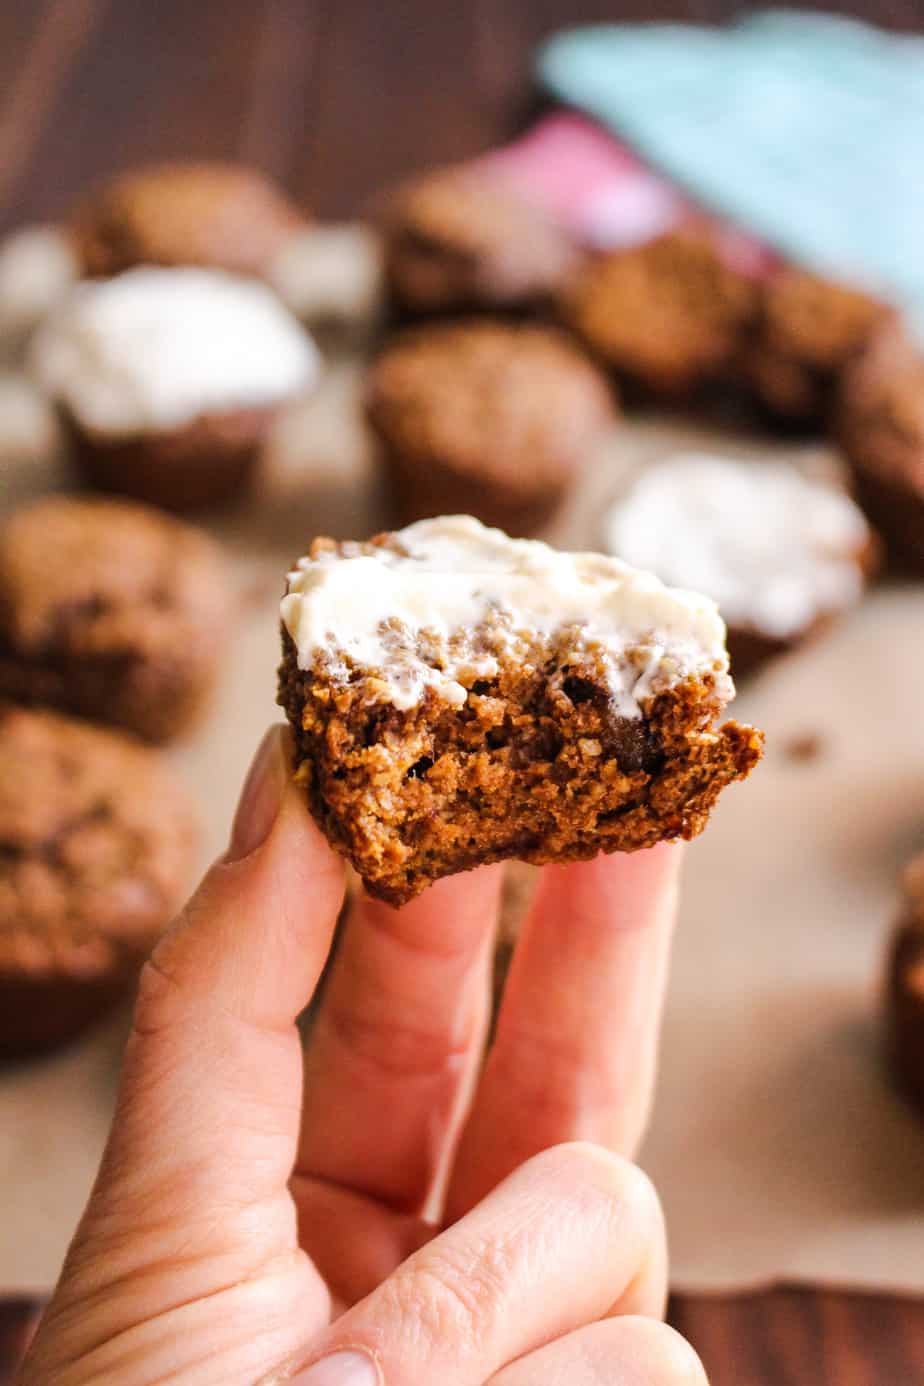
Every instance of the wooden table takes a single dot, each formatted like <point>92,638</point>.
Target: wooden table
<point>337,98</point>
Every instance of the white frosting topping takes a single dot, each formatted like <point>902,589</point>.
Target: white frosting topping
<point>774,548</point>
<point>330,273</point>
<point>156,348</point>
<point>37,267</point>
<point>370,610</point>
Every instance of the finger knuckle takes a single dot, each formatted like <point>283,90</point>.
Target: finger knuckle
<point>667,1357</point>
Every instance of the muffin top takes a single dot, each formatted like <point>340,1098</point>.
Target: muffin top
<point>516,403</point>
<point>816,321</point>
<point>219,215</point>
<point>107,578</point>
<point>670,311</point>
<point>460,239</point>
<point>154,349</point>
<point>96,843</point>
<point>880,410</point>
<point>775,548</point>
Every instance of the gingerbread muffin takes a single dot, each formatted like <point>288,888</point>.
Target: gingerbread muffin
<point>905,989</point>
<point>458,697</point>
<point>112,611</point>
<point>808,330</point>
<point>96,846</point>
<point>783,555</point>
<point>495,419</point>
<point>216,215</point>
<point>459,241</point>
<point>880,425</point>
<point>169,380</point>
<point>669,316</point>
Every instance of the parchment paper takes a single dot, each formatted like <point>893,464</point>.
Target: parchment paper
<point>777,1145</point>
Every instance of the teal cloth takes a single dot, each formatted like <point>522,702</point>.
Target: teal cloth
<point>805,129</point>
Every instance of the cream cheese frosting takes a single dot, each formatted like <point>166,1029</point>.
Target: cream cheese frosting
<point>157,348</point>
<point>773,547</point>
<point>406,611</point>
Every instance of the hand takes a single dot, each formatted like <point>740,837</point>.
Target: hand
<point>238,1234</point>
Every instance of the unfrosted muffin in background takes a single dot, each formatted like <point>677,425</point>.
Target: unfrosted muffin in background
<point>216,215</point>
<point>112,611</point>
<point>169,380</point>
<point>459,241</point>
<point>669,315</point>
<point>488,418</point>
<point>807,331</point>
<point>782,554</point>
<point>879,422</point>
<point>98,844</point>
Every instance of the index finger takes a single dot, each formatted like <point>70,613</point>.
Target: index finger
<point>575,1052</point>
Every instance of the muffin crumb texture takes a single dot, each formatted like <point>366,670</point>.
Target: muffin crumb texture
<point>458,697</point>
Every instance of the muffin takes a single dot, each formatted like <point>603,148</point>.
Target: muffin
<point>879,422</point>
<point>807,331</point>
<point>458,697</point>
<point>668,316</point>
<point>215,215</point>
<point>782,554</point>
<point>169,380</point>
<point>38,266</point>
<point>459,241</point>
<point>97,843</point>
<point>491,418</point>
<point>905,989</point>
<point>112,611</point>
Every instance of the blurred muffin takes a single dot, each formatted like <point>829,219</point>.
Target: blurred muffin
<point>905,989</point>
<point>217,215</point>
<point>807,331</point>
<point>38,265</point>
<point>459,241</point>
<point>668,315</point>
<point>879,422</point>
<point>111,611</point>
<point>331,277</point>
<point>97,843</point>
<point>170,379</point>
<point>491,419</point>
<point>783,555</point>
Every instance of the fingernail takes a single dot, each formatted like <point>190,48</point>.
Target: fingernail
<point>341,1369</point>
<point>260,799</point>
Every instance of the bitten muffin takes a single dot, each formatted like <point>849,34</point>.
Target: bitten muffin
<point>112,611</point>
<point>216,215</point>
<point>495,419</point>
<point>668,315</point>
<point>170,379</point>
<point>808,330</point>
<point>96,846</point>
<point>458,697</point>
<point>459,241</point>
<point>905,989</point>
<point>880,426</point>
<point>782,554</point>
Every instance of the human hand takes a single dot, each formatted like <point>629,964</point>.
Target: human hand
<point>239,1233</point>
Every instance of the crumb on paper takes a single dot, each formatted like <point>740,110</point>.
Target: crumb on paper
<point>804,747</point>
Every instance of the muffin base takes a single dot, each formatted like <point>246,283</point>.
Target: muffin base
<point>905,1012</point>
<point>897,512</point>
<point>536,766</point>
<point>207,462</point>
<point>42,1013</point>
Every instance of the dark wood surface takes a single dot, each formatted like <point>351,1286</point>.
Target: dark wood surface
<point>337,98</point>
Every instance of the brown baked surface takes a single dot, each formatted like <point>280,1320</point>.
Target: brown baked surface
<point>905,989</point>
<point>880,425</point>
<point>223,216</point>
<point>669,315</point>
<point>489,418</point>
<point>807,331</point>
<point>111,611</point>
<point>96,844</point>
<point>536,765</point>
<point>456,241</point>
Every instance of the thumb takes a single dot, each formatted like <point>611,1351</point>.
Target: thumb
<point>207,1118</point>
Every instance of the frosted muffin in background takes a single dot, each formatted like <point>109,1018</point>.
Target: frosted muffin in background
<point>782,554</point>
<point>169,380</point>
<point>38,266</point>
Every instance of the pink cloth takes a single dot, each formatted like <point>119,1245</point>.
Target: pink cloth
<point>595,187</point>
